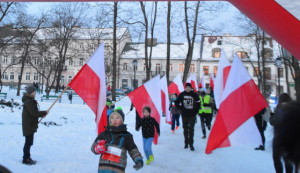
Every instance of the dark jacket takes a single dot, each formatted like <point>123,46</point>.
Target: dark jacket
<point>30,115</point>
<point>188,103</point>
<point>148,124</point>
<point>120,138</point>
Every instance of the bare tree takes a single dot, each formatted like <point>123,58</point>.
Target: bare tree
<point>168,40</point>
<point>66,18</point>
<point>190,36</point>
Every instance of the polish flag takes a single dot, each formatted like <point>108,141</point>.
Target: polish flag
<point>176,85</point>
<point>165,99</point>
<point>193,80</point>
<point>221,78</point>
<point>89,83</point>
<point>149,94</point>
<point>241,100</point>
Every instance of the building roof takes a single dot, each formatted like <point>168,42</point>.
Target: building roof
<point>159,51</point>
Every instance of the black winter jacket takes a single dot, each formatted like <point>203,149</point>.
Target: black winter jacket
<point>148,124</point>
<point>188,103</point>
<point>30,115</point>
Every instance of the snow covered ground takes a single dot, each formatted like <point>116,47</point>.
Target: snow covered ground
<point>65,147</point>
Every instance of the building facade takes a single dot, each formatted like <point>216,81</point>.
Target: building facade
<point>205,60</point>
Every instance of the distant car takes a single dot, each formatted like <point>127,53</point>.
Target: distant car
<point>273,101</point>
<point>127,90</point>
<point>120,92</point>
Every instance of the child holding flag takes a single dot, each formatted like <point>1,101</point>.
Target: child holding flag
<point>113,145</point>
<point>148,123</point>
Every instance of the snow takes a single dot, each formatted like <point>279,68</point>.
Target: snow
<point>66,148</point>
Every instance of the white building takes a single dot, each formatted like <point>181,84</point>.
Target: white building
<point>205,62</point>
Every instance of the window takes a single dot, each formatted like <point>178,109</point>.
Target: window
<point>19,75</point>
<point>171,67</point>
<point>216,52</point>
<point>205,70</point>
<point>35,61</point>
<point>5,60</point>
<point>12,76</point>
<point>35,76</point>
<point>81,46</point>
<point>242,54</point>
<point>192,68</point>
<point>81,62</point>
<point>157,68</point>
<point>267,73</point>
<point>268,53</point>
<point>280,72</point>
<point>181,68</point>
<point>69,78</point>
<point>125,66</point>
<point>70,62</point>
<point>4,76</point>
<point>62,79</point>
<point>215,70</point>
<point>27,76</point>
<point>219,42</point>
<point>256,71</point>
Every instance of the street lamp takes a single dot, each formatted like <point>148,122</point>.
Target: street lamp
<point>134,64</point>
<point>278,63</point>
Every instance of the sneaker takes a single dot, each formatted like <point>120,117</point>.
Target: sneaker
<point>151,158</point>
<point>29,161</point>
<point>173,131</point>
<point>192,148</point>
<point>148,162</point>
<point>177,127</point>
<point>260,148</point>
<point>208,127</point>
<point>186,146</point>
<point>203,137</point>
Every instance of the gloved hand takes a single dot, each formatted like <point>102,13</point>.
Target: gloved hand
<point>138,164</point>
<point>100,147</point>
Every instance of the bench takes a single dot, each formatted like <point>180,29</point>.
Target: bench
<point>50,97</point>
<point>4,95</point>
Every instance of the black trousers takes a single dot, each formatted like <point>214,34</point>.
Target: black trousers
<point>205,120</point>
<point>27,146</point>
<point>188,124</point>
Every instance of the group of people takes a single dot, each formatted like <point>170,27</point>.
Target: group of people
<point>114,143</point>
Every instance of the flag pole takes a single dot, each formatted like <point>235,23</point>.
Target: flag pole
<point>56,100</point>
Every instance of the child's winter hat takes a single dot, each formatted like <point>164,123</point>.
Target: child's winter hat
<point>30,89</point>
<point>116,113</point>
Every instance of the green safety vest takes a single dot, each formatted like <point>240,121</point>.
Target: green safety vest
<point>205,109</point>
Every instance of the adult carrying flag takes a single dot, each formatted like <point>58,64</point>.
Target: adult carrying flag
<point>241,100</point>
<point>89,83</point>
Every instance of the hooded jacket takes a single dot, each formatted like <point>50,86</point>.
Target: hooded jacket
<point>30,115</point>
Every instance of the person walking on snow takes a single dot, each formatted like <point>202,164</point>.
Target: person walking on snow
<point>188,102</point>
<point>113,144</point>
<point>30,116</point>
<point>175,113</point>
<point>148,124</point>
<point>205,112</point>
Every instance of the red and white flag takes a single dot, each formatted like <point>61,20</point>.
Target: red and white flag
<point>193,80</point>
<point>165,99</point>
<point>176,86</point>
<point>221,78</point>
<point>149,94</point>
<point>241,100</point>
<point>89,83</point>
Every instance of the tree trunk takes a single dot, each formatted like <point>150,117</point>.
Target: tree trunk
<point>295,64</point>
<point>168,41</point>
<point>114,62</point>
